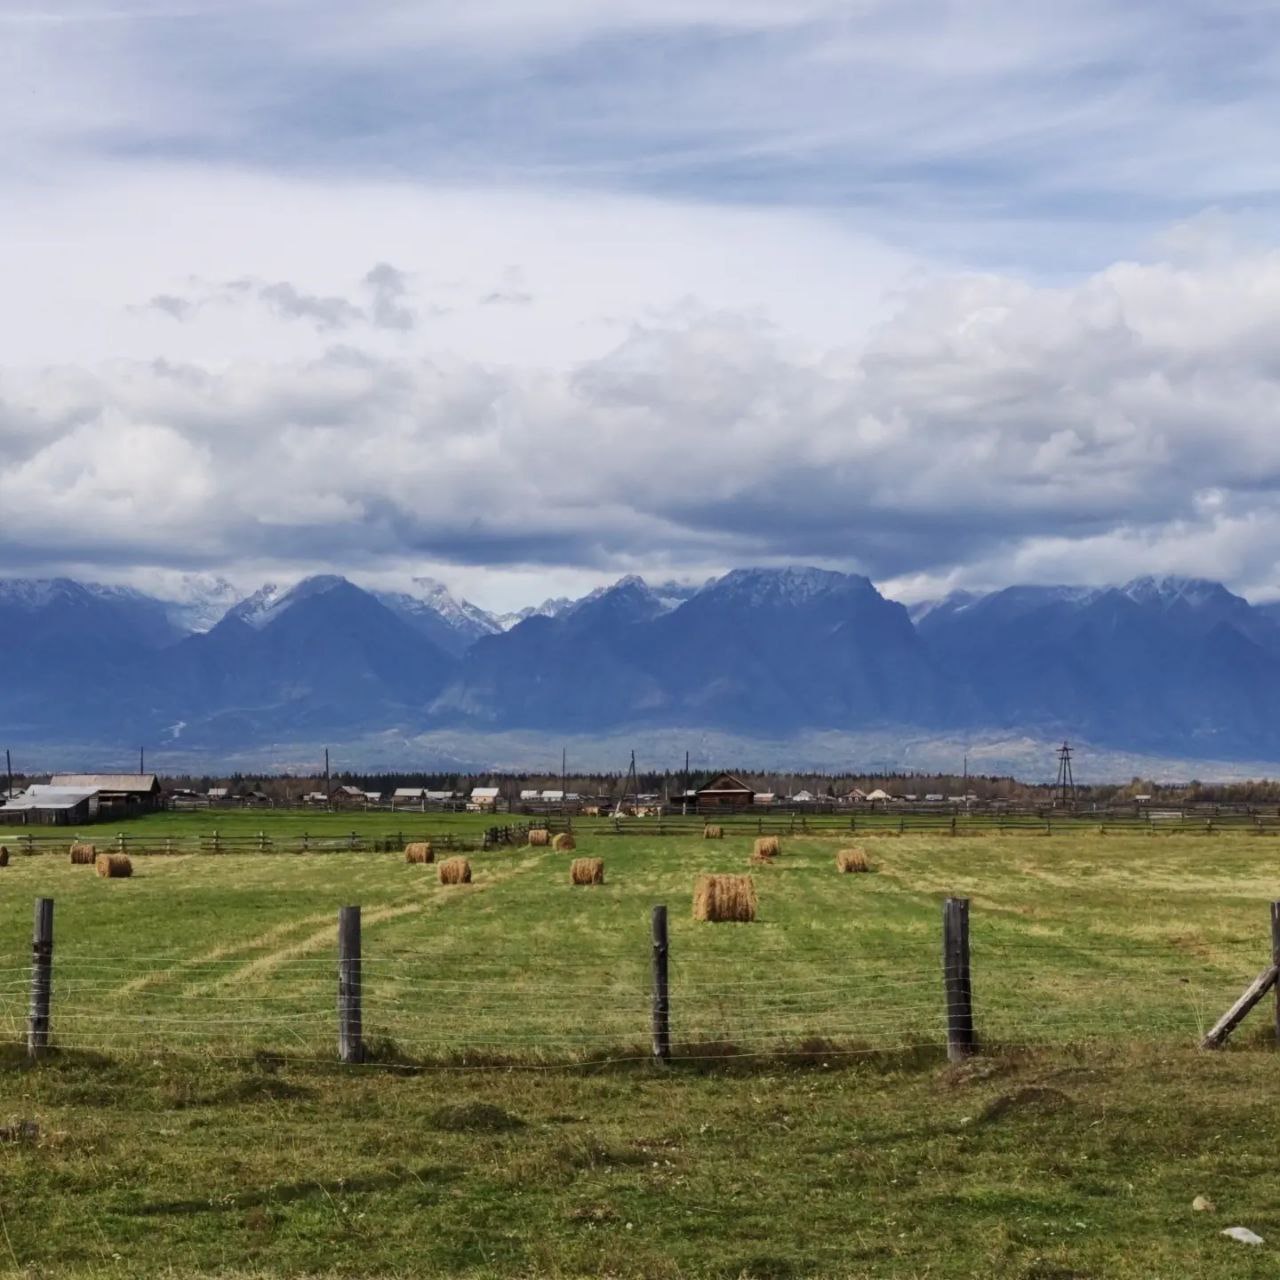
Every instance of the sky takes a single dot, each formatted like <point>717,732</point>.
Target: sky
<point>525,295</point>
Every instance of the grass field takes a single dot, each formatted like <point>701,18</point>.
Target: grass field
<point>193,1120</point>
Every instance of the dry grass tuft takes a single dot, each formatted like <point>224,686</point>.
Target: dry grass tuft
<point>84,855</point>
<point>564,842</point>
<point>712,832</point>
<point>852,860</point>
<point>419,851</point>
<point>539,836</point>
<point>586,871</point>
<point>113,866</point>
<point>724,897</point>
<point>455,871</point>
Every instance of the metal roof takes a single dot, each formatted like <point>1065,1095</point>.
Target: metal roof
<point>409,793</point>
<point>106,781</point>
<point>484,793</point>
<point>50,797</point>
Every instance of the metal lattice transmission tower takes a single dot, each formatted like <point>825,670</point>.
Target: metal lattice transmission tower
<point>1066,784</point>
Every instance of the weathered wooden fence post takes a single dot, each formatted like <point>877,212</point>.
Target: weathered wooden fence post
<point>661,989</point>
<point>350,1044</point>
<point>1275,957</point>
<point>961,1041</point>
<point>41,978</point>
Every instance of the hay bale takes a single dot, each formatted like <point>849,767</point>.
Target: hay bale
<point>84,855</point>
<point>419,851</point>
<point>4,856</point>
<point>539,836</point>
<point>724,897</point>
<point>712,832</point>
<point>759,859</point>
<point>849,860</point>
<point>113,866</point>
<point>591,811</point>
<point>564,842</point>
<point>455,871</point>
<point>766,847</point>
<point>586,871</point>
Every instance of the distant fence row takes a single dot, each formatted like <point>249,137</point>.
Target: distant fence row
<point>143,841</point>
<point>654,997</point>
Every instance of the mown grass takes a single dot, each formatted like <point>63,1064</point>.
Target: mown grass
<point>192,1121</point>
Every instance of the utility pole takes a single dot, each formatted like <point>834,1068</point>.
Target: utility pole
<point>8,768</point>
<point>328,793</point>
<point>564,757</point>
<point>142,759</point>
<point>1066,784</point>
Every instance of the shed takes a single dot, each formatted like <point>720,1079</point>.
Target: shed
<point>725,792</point>
<point>51,806</point>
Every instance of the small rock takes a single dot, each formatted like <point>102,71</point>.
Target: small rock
<point>1202,1204</point>
<point>1243,1234</point>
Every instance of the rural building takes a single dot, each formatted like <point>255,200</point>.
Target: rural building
<point>856,796</point>
<point>878,796</point>
<point>725,792</point>
<point>483,798</point>
<point>349,795</point>
<point>528,796</point>
<point>765,797</point>
<point>803,797</point>
<point>439,797</point>
<point>119,794</point>
<point>408,795</point>
<point>51,806</point>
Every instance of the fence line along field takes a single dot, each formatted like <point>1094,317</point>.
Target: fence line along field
<point>1074,939</point>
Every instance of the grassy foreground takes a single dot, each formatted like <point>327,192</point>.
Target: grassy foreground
<point>192,1121</point>
<point>1035,1166</point>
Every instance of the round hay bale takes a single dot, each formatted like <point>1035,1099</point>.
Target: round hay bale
<point>851,860</point>
<point>766,847</point>
<point>564,842</point>
<point>586,871</point>
<point>539,836</point>
<point>712,832</point>
<point>113,866</point>
<point>4,856</point>
<point>720,898</point>
<point>455,871</point>
<point>420,851</point>
<point>84,854</point>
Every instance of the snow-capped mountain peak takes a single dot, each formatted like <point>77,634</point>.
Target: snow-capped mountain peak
<point>1172,589</point>
<point>266,604</point>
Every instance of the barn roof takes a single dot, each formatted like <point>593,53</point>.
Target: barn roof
<point>725,782</point>
<point>143,782</point>
<point>484,793</point>
<point>409,793</point>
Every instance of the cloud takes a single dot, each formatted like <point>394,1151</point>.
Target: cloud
<point>385,288</point>
<point>990,430</point>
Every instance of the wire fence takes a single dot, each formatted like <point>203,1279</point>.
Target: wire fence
<point>541,1008</point>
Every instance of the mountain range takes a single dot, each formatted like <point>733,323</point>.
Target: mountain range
<point>1174,665</point>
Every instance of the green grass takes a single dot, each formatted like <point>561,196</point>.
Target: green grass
<point>192,1121</point>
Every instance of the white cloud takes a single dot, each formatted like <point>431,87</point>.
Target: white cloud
<point>990,431</point>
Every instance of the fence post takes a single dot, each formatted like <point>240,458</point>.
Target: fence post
<point>41,978</point>
<point>961,1041</point>
<point>1275,957</point>
<point>350,1044</point>
<point>661,989</point>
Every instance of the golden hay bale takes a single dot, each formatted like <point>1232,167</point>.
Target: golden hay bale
<point>591,811</point>
<point>722,897</point>
<point>4,856</point>
<point>113,866</point>
<point>84,855</point>
<point>586,871</point>
<point>455,871</point>
<point>852,860</point>
<point>419,851</point>
<point>759,859</point>
<point>766,847</point>
<point>539,836</point>
<point>712,832</point>
<point>564,842</point>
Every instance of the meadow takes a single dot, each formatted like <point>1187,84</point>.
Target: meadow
<point>192,1118</point>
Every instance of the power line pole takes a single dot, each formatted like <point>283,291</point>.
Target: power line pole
<point>328,791</point>
<point>8,768</point>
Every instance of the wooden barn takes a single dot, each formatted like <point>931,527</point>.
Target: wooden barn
<point>51,806</point>
<point>725,792</point>
<point>120,795</point>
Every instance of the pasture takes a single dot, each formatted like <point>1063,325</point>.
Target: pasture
<point>193,1120</point>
